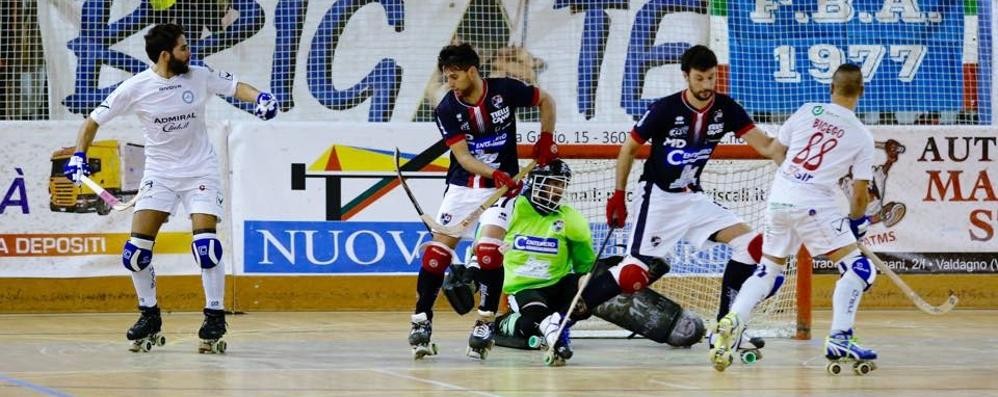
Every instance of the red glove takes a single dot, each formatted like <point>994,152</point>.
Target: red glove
<point>616,209</point>
<point>545,150</point>
<point>501,178</point>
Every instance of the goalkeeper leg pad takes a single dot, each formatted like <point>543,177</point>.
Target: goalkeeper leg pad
<point>654,316</point>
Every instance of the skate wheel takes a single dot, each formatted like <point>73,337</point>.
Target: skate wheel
<point>146,346</point>
<point>722,359</point>
<point>161,341</point>
<point>552,360</point>
<point>862,368</point>
<point>220,347</point>
<point>433,348</point>
<point>534,342</point>
<point>750,357</point>
<point>834,368</point>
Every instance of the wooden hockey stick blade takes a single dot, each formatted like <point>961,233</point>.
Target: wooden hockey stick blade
<point>582,286</point>
<point>457,229</point>
<point>912,295</point>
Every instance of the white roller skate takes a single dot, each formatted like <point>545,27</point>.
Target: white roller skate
<point>146,332</point>
<point>842,350</point>
<point>728,334</point>
<point>211,332</point>
<point>482,335</point>
<point>561,342</point>
<point>419,337</point>
<point>749,349</point>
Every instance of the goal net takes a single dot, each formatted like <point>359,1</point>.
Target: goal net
<point>736,178</point>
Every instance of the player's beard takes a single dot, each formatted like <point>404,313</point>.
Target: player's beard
<point>177,66</point>
<point>703,95</point>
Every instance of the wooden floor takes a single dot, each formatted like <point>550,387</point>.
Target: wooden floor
<point>366,354</point>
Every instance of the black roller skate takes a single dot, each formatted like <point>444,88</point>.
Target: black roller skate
<point>146,332</point>
<point>482,335</point>
<point>506,336</point>
<point>211,332</point>
<point>558,344</point>
<point>419,337</point>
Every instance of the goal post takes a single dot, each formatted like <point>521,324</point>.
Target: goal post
<point>737,178</point>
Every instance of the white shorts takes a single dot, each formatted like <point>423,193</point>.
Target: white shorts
<point>663,219</point>
<point>460,201</point>
<point>199,195</point>
<point>822,230</point>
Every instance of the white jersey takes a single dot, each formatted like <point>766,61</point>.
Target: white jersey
<point>172,112</point>
<point>824,141</point>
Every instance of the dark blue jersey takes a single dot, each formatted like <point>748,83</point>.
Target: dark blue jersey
<point>489,127</point>
<point>682,137</point>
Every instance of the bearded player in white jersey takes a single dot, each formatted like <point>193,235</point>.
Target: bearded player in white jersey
<point>181,166</point>
<point>823,141</point>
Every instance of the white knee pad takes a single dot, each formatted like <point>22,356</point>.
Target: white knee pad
<point>772,274</point>
<point>137,254</point>
<point>746,248</point>
<point>860,266</point>
<point>207,250</point>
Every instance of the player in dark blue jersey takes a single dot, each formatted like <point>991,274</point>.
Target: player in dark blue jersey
<point>478,121</point>
<point>684,128</point>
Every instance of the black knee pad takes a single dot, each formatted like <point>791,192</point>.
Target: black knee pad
<point>459,289</point>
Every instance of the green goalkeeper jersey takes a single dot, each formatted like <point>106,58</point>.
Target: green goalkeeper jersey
<point>543,249</point>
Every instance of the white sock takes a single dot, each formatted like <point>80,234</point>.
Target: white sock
<point>145,286</point>
<point>845,301</point>
<point>755,289</point>
<point>214,287</point>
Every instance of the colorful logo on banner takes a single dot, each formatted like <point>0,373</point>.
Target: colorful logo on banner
<point>335,247</point>
<point>881,209</point>
<point>341,162</point>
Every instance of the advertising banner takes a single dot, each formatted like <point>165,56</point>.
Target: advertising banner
<point>50,228</point>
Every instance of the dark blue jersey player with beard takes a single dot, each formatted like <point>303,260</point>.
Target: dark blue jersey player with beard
<point>478,121</point>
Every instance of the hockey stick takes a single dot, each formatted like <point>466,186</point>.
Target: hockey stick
<point>919,302</point>
<point>405,186</point>
<point>457,229</point>
<point>109,198</point>
<point>582,286</point>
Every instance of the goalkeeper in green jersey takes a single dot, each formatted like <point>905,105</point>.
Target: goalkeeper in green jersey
<point>548,246</point>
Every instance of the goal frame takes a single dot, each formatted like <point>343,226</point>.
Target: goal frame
<point>721,152</point>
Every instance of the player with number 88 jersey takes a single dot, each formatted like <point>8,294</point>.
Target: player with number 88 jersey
<point>824,142</point>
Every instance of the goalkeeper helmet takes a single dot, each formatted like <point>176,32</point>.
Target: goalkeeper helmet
<point>546,186</point>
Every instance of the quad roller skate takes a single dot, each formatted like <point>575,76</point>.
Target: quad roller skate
<point>841,350</point>
<point>728,334</point>
<point>482,335</point>
<point>505,334</point>
<point>419,337</point>
<point>749,349</point>
<point>211,332</point>
<point>146,332</point>
<point>557,346</point>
